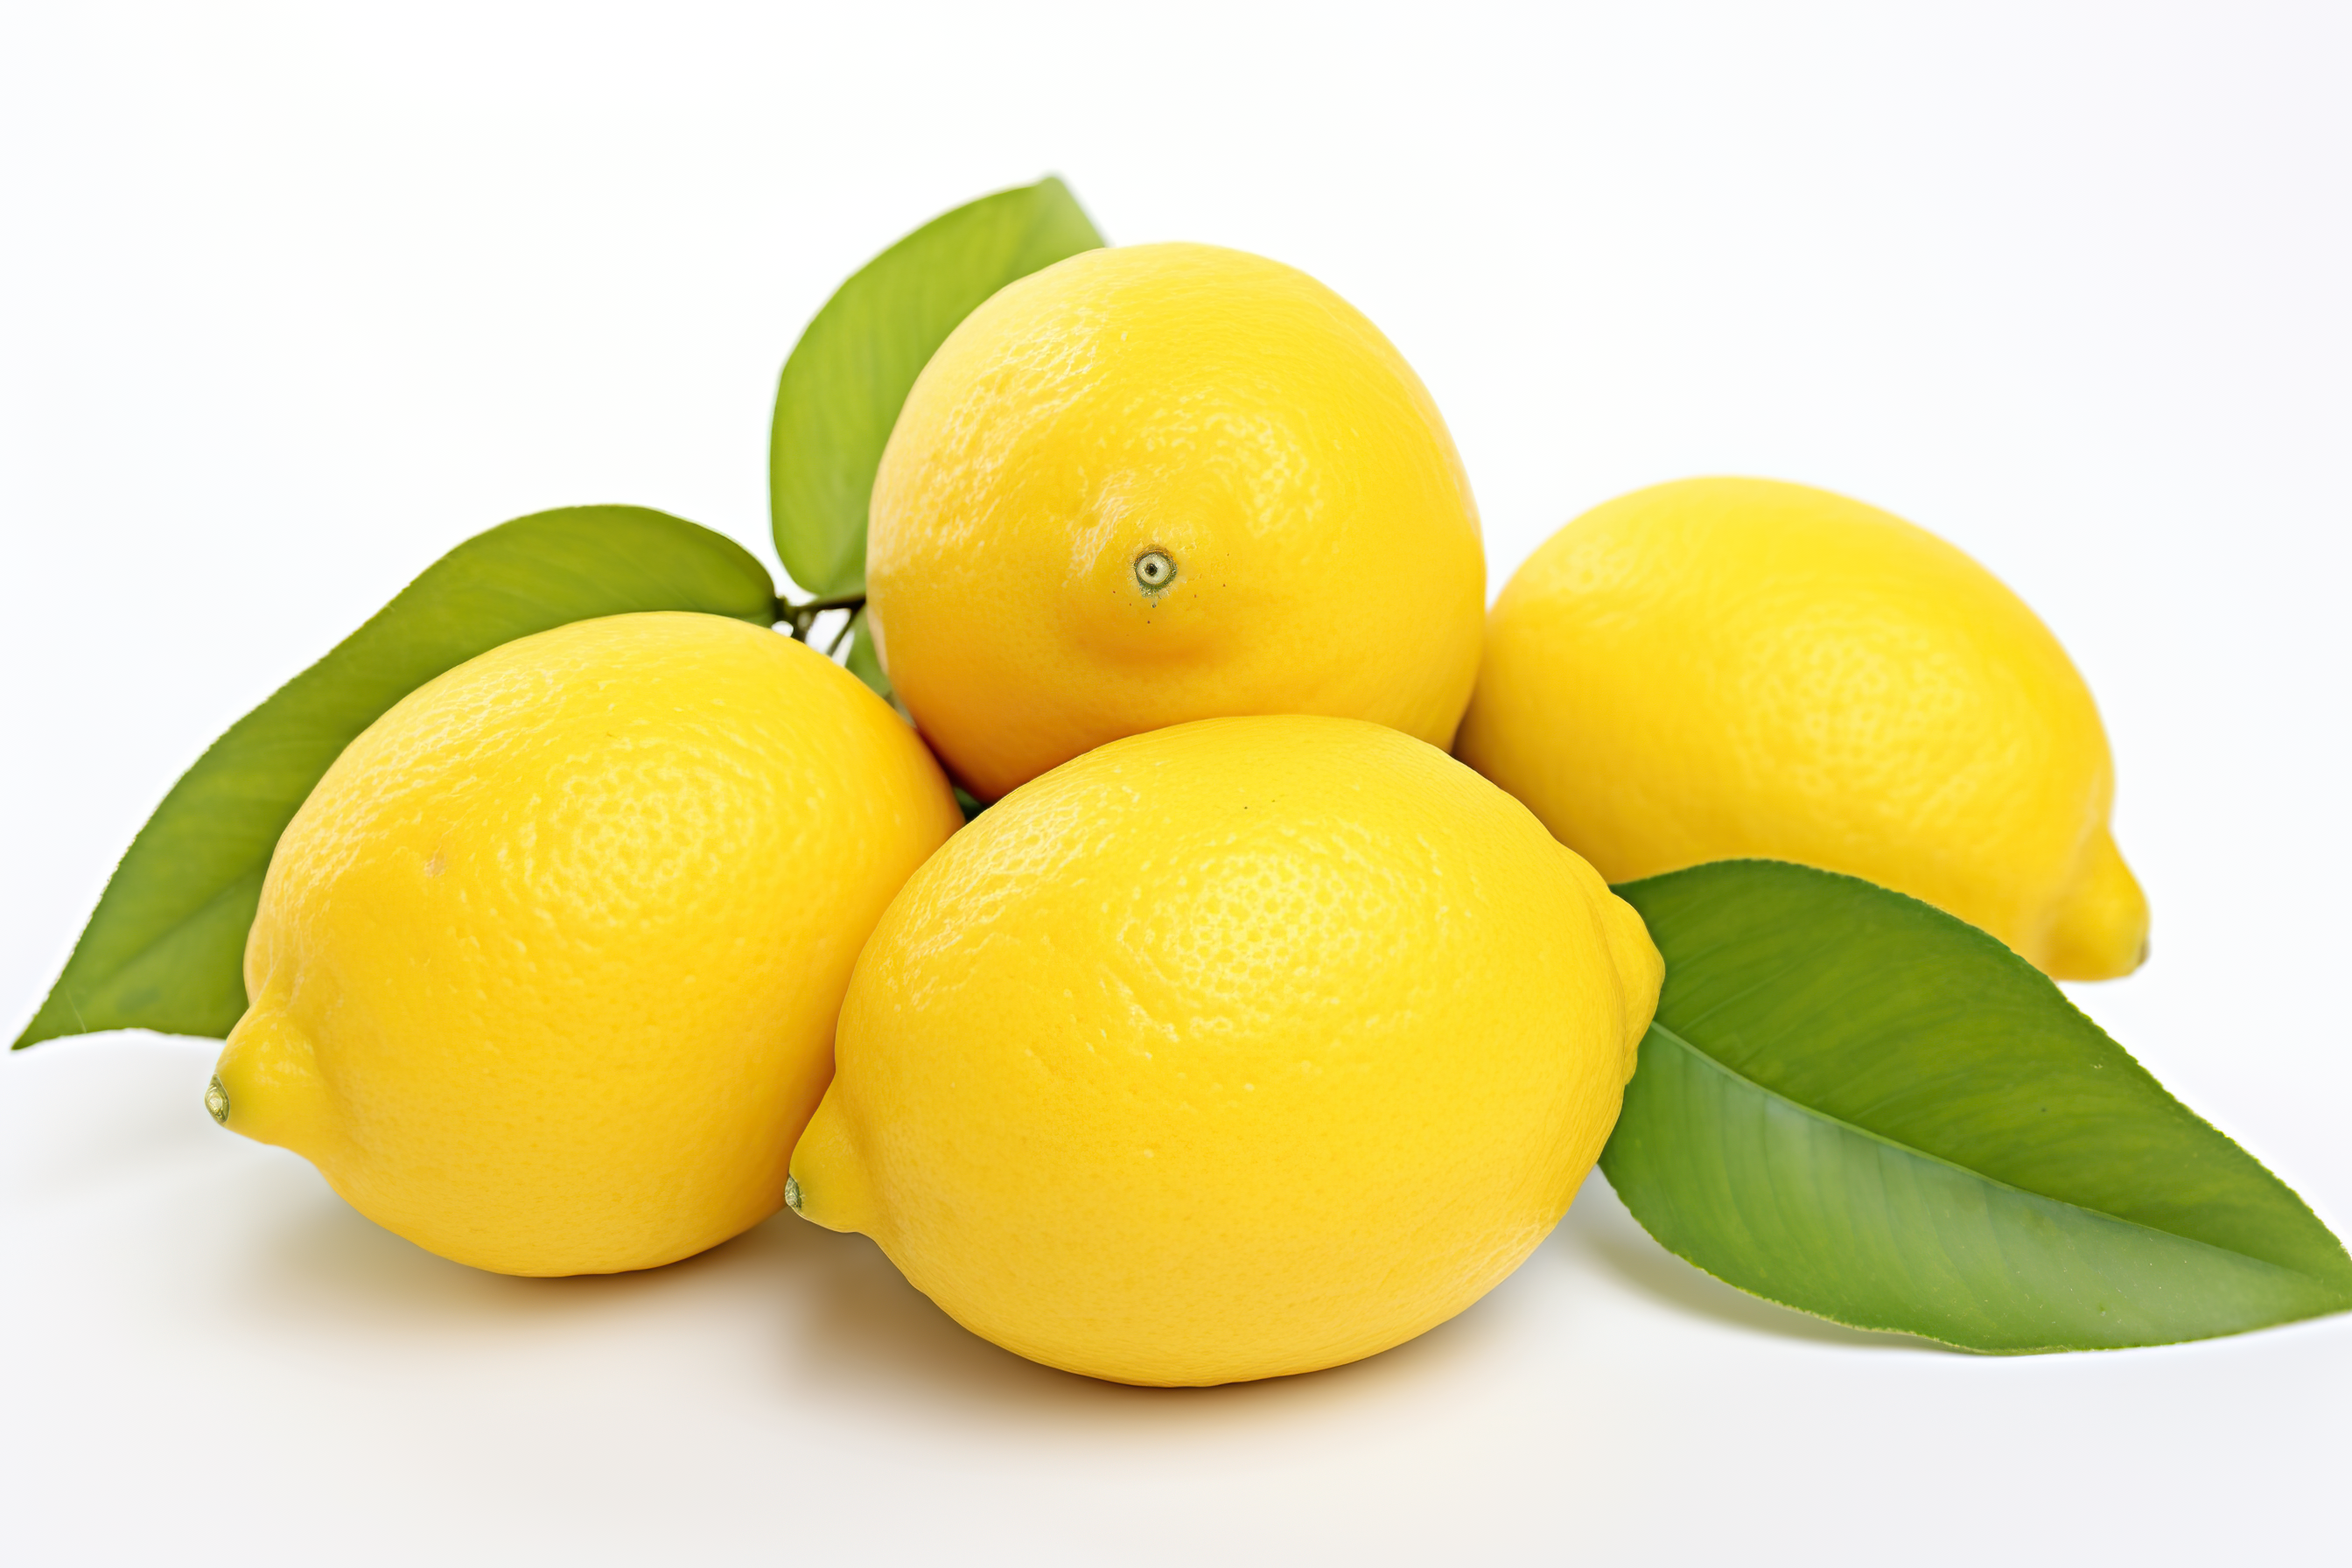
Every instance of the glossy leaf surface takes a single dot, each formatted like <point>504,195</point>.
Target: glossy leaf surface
<point>1858,1106</point>
<point>165,948</point>
<point>847,377</point>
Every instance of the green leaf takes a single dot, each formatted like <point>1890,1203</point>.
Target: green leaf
<point>843,386</point>
<point>863,662</point>
<point>1858,1106</point>
<point>165,948</point>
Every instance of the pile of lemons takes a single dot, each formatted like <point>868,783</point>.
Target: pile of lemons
<point>1278,1005</point>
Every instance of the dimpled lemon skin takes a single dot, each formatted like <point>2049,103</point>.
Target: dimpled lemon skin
<point>1160,483</point>
<point>1240,1048</point>
<point>546,967</point>
<point>1724,667</point>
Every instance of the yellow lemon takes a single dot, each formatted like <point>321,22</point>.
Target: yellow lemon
<point>1160,483</point>
<point>546,968</point>
<point>1726,667</point>
<point>1239,1048</point>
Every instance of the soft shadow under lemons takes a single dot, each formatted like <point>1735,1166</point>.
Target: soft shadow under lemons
<point>828,1313</point>
<point>830,1318</point>
<point>860,1326</point>
<point>325,1259</point>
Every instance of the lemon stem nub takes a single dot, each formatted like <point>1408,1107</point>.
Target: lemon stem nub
<point>793,1193</point>
<point>1155,569</point>
<point>216,1100</point>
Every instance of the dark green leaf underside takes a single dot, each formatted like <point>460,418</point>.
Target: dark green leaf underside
<point>842,388</point>
<point>863,662</point>
<point>165,948</point>
<point>1857,1106</point>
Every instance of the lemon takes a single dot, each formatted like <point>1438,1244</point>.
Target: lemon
<point>1160,483</point>
<point>546,967</point>
<point>1244,1048</point>
<point>1725,668</point>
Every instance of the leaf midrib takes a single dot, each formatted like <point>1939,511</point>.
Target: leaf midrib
<point>1918,1153</point>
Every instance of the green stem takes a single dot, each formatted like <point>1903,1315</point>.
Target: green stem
<point>803,615</point>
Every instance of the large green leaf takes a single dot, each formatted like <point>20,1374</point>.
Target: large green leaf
<point>843,386</point>
<point>165,948</point>
<point>1855,1105</point>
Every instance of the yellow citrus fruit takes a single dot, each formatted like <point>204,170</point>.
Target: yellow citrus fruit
<point>1725,668</point>
<point>546,967</point>
<point>1160,483</point>
<point>1244,1048</point>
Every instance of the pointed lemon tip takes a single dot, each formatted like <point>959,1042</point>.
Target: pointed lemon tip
<point>265,1085</point>
<point>2101,929</point>
<point>827,1184</point>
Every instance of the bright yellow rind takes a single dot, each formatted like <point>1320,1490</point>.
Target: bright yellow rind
<point>546,968</point>
<point>1727,667</point>
<point>1220,408</point>
<point>1235,1049</point>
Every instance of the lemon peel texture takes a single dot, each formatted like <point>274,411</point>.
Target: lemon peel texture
<point>1243,1047</point>
<point>1166,482</point>
<point>1728,667</point>
<point>546,968</point>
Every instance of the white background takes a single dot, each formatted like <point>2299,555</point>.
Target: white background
<point>294,300</point>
